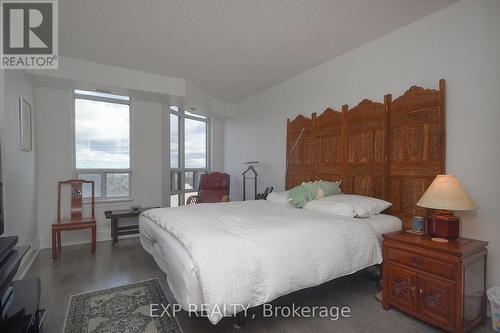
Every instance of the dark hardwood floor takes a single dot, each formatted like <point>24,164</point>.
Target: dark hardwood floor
<point>77,271</point>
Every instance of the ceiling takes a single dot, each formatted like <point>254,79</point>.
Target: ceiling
<point>230,48</point>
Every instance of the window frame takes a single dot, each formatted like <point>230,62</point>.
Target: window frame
<point>182,193</point>
<point>103,172</point>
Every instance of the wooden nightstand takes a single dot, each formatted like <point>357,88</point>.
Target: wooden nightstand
<point>440,283</point>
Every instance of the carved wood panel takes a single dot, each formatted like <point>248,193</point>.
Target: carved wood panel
<point>437,299</point>
<point>402,287</point>
<point>299,161</point>
<point>417,147</point>
<point>328,148</point>
<point>391,150</point>
<point>365,149</point>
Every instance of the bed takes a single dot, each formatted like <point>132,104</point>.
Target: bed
<point>255,251</point>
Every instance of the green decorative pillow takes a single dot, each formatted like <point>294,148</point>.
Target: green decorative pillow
<point>298,196</point>
<point>314,189</point>
<point>305,192</point>
<point>331,188</point>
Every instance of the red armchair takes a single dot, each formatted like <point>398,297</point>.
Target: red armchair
<point>214,187</point>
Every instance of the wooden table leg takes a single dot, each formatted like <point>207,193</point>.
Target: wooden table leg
<point>94,238</point>
<point>114,223</point>
<point>59,246</point>
<point>54,244</point>
<point>113,229</point>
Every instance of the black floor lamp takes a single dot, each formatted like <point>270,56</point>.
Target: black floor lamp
<point>250,177</point>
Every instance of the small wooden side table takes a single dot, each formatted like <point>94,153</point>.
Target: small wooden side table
<point>440,283</point>
<point>116,215</point>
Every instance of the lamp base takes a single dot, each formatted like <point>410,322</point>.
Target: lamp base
<point>443,224</point>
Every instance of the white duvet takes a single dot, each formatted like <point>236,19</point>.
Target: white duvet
<point>252,252</point>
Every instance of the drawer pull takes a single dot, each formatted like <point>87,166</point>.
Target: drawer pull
<point>416,262</point>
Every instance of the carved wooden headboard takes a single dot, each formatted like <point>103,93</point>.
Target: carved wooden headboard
<point>391,150</point>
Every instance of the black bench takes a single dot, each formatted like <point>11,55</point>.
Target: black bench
<point>117,214</point>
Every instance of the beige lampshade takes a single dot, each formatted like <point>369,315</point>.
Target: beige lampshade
<point>446,192</point>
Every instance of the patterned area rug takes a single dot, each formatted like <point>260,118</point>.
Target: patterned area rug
<point>121,309</point>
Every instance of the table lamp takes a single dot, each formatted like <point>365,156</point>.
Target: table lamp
<point>445,195</point>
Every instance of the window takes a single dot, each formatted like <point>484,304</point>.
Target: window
<point>102,145</point>
<point>174,141</point>
<point>189,153</point>
<point>195,144</point>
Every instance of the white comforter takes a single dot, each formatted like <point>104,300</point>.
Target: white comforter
<point>252,252</point>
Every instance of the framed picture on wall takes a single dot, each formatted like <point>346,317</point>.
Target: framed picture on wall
<point>25,126</point>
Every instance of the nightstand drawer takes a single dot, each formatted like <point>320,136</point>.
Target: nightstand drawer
<point>417,261</point>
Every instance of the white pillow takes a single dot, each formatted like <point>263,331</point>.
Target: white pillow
<point>280,198</point>
<point>350,205</point>
<point>334,208</point>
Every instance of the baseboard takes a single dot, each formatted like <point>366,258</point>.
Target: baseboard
<point>69,238</point>
<point>28,259</point>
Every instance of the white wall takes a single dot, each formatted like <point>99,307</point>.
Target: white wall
<point>54,160</point>
<point>18,166</point>
<point>217,143</point>
<point>459,43</point>
<point>91,74</point>
<point>81,74</point>
<point>53,138</point>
